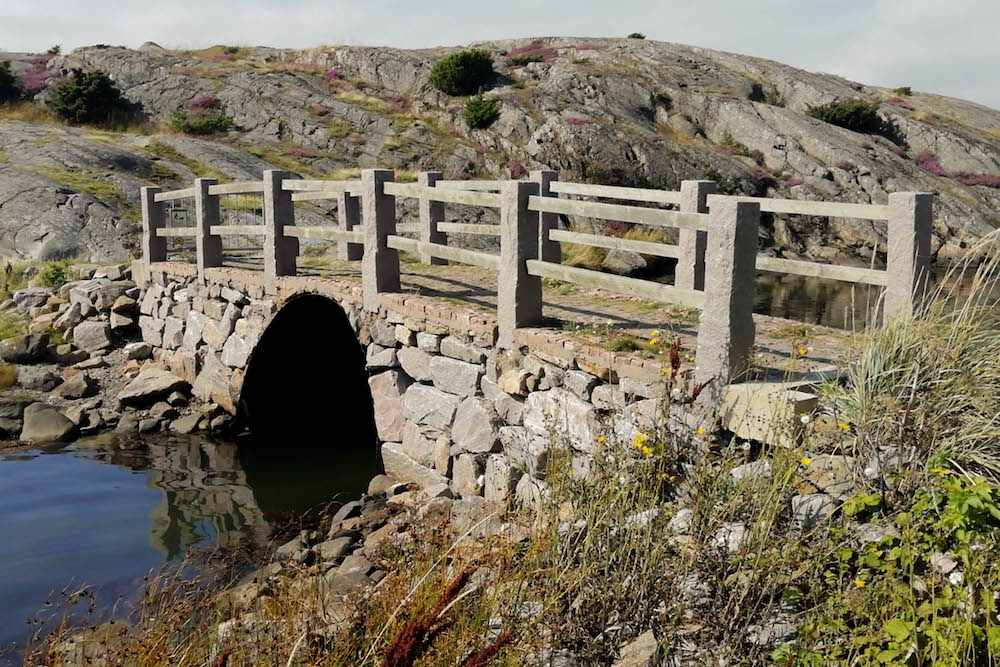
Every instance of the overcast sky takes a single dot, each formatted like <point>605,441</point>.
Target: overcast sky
<point>950,47</point>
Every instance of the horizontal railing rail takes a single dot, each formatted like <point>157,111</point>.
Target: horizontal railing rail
<point>182,232</point>
<point>236,230</point>
<point>484,186</point>
<point>852,274</point>
<point>471,198</point>
<point>171,195</point>
<point>615,243</point>
<point>323,233</point>
<point>616,192</point>
<point>468,228</point>
<point>243,188</point>
<point>644,216</point>
<point>451,253</point>
<point>825,209</point>
<point>646,289</point>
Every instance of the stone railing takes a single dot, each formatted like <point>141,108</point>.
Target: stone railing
<point>716,252</point>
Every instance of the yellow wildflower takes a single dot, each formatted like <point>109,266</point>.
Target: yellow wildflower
<point>652,341</point>
<point>673,477</point>
<point>569,473</point>
<point>940,471</point>
<point>646,450</point>
<point>802,350</point>
<point>663,475</point>
<point>806,461</point>
<point>844,427</point>
<point>601,439</point>
<point>701,431</point>
<point>655,334</point>
<point>860,583</point>
<point>640,437</point>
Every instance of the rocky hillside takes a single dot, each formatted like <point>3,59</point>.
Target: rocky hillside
<point>619,111</point>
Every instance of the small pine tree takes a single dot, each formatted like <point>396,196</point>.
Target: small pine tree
<point>463,73</point>
<point>636,35</point>
<point>54,50</point>
<point>88,97</point>
<point>10,87</point>
<point>479,112</point>
<point>854,114</point>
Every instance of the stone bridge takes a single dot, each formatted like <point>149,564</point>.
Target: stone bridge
<point>421,377</point>
<point>452,395</point>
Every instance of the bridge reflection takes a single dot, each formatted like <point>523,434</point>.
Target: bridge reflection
<point>222,492</point>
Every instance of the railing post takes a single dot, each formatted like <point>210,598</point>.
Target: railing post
<point>519,295</point>
<point>280,251</point>
<point>154,248</point>
<point>380,264</point>
<point>431,213</point>
<point>349,217</point>
<point>690,242</point>
<point>206,211</point>
<point>726,332</point>
<point>908,255</point>
<point>548,250</point>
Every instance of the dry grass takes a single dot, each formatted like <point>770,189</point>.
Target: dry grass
<point>8,375</point>
<point>30,112</point>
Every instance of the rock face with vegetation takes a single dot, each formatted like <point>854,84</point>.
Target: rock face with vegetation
<point>618,111</point>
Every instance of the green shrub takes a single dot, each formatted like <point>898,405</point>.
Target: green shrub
<point>200,122</point>
<point>55,274</point>
<point>10,87</point>
<point>89,97</point>
<point>903,91</point>
<point>857,115</point>
<point>636,35</point>
<point>463,73</point>
<point>773,97</point>
<point>479,112</point>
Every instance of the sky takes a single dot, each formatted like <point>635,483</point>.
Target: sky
<point>950,47</point>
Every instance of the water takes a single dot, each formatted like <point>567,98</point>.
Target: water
<point>93,514</point>
<point>837,304</point>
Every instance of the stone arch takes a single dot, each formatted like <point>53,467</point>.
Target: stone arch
<point>306,389</point>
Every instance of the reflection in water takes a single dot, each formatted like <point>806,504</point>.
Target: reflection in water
<point>838,304</point>
<point>92,513</point>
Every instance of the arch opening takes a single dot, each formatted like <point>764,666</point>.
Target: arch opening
<point>305,398</point>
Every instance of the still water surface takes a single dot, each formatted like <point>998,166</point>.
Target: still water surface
<point>93,514</point>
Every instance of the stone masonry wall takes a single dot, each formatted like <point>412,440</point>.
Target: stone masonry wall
<point>451,410</point>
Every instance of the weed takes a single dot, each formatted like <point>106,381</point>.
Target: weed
<point>8,374</point>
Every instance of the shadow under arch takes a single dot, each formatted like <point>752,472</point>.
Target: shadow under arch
<point>306,404</point>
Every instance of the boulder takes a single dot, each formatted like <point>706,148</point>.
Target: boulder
<point>236,352</point>
<point>420,443</point>
<point>213,385</point>
<point>26,349</point>
<point>501,479</point>
<point>173,333</point>
<point>77,386</point>
<point>44,423</point>
<point>36,378</point>
<point>456,377</point>
<point>92,336</point>
<point>429,406</point>
<point>624,262</point>
<point>186,424</point>
<point>467,476</point>
<point>400,466</point>
<point>456,349</point>
<point>476,426</point>
<point>387,391</point>
<point>193,330</point>
<point>30,297</point>
<point>152,330</point>
<point>514,382</point>
<point>150,386</point>
<point>416,363</point>
<point>559,412</point>
<point>138,351</point>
